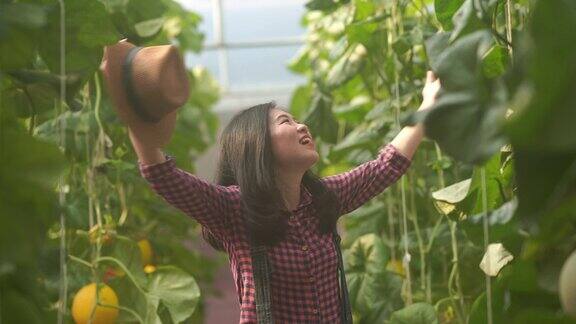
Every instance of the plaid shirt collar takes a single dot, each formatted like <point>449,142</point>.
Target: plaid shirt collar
<point>305,198</point>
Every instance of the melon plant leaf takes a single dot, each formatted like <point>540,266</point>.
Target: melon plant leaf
<point>503,226</point>
<point>176,290</point>
<point>478,311</point>
<point>547,122</point>
<point>88,29</point>
<point>466,116</point>
<point>418,313</point>
<point>445,10</point>
<point>346,67</point>
<point>465,20</point>
<point>435,47</point>
<point>149,28</point>
<point>368,281</point>
<point>541,189</point>
<point>300,100</point>
<point>321,120</point>
<point>26,15</point>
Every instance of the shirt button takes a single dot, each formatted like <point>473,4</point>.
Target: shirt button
<point>314,310</point>
<point>311,279</point>
<point>304,247</point>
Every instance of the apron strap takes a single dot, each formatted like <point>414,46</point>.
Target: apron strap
<point>346,315</point>
<point>262,270</point>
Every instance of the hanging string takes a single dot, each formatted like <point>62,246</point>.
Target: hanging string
<point>407,257</point>
<point>89,182</point>
<point>391,222</point>
<point>486,242</point>
<point>63,293</point>
<point>396,28</point>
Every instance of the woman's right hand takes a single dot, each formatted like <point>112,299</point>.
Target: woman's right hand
<point>152,135</point>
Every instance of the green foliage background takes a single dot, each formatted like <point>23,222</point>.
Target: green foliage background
<point>501,152</point>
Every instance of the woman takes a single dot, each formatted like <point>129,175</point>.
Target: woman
<point>265,189</point>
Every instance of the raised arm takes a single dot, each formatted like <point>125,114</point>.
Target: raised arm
<point>209,204</point>
<point>357,186</point>
<point>409,137</point>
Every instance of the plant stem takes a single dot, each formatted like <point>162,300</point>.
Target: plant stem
<point>121,265</point>
<point>421,248</point>
<point>455,275</point>
<point>454,278</point>
<point>129,310</point>
<point>81,261</point>
<point>63,292</point>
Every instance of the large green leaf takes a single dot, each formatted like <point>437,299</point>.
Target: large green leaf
<point>547,122</point>
<point>18,308</point>
<point>148,28</point>
<point>183,25</point>
<point>498,185</point>
<point>363,136</point>
<point>26,15</point>
<point>18,48</point>
<point>503,227</point>
<point>454,193</point>
<point>436,47</point>
<point>419,313</point>
<point>541,316</point>
<point>444,10</point>
<point>29,171</point>
<point>19,32</point>
<point>321,119</point>
<point>176,290</point>
<point>88,30</point>
<point>467,116</point>
<point>369,283</point>
<point>300,102</point>
<point>544,180</point>
<point>467,18</point>
<point>478,313</point>
<point>28,203</point>
<point>346,66</point>
<point>446,199</point>
<point>126,251</point>
<point>367,254</point>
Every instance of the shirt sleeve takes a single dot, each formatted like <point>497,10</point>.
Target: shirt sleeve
<point>209,204</point>
<point>357,186</point>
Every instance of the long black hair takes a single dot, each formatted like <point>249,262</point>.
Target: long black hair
<point>246,160</point>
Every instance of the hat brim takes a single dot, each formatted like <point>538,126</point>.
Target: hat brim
<point>111,68</point>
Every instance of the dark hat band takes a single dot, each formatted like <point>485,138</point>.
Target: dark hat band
<point>129,87</point>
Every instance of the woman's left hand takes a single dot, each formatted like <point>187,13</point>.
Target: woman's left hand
<point>430,91</point>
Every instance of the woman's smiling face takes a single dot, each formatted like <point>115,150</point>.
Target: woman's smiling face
<point>292,143</point>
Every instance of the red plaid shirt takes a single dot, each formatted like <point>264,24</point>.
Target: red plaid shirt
<point>304,282</point>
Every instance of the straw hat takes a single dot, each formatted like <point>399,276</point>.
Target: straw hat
<point>146,83</point>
